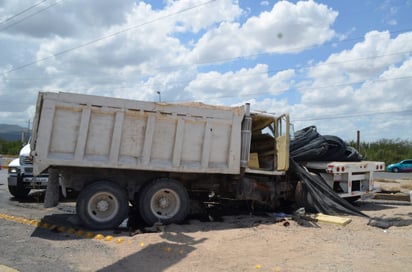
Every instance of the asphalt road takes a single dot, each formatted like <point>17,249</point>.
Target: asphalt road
<point>388,175</point>
<point>31,236</point>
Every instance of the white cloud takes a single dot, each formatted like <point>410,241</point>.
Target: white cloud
<point>264,3</point>
<point>287,27</point>
<point>367,60</point>
<point>210,51</point>
<point>239,85</point>
<point>367,82</point>
<point>62,18</point>
<point>204,14</point>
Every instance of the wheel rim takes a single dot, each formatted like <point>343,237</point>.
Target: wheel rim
<point>103,207</point>
<point>165,204</point>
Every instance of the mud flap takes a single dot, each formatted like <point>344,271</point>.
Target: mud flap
<point>51,198</point>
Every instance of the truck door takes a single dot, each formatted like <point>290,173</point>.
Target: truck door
<point>282,142</point>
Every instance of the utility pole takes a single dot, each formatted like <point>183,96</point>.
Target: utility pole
<point>28,128</point>
<point>358,140</point>
<point>160,97</point>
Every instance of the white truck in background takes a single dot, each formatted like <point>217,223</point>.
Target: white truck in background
<point>20,179</point>
<point>162,157</point>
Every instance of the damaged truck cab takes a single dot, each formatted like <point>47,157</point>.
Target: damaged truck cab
<point>267,150</point>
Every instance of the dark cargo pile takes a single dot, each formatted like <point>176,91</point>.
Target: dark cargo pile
<point>316,194</point>
<point>309,145</point>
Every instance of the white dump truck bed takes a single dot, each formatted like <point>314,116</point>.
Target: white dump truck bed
<point>94,131</point>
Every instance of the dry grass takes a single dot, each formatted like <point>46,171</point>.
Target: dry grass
<point>407,186</point>
<point>383,180</point>
<point>390,189</point>
<point>394,185</point>
<point>5,161</point>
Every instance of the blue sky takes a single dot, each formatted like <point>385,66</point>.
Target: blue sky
<point>340,65</point>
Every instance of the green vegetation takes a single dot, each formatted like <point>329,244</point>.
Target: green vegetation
<point>388,151</point>
<point>10,147</point>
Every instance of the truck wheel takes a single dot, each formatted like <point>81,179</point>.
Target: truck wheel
<point>164,200</point>
<point>102,205</point>
<point>19,191</point>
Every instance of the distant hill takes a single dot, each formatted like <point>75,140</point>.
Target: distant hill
<point>12,132</point>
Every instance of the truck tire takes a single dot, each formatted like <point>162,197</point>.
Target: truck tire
<point>164,200</point>
<point>19,191</point>
<point>102,205</point>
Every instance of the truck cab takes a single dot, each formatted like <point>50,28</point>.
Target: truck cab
<point>20,175</point>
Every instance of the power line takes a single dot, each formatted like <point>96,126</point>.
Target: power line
<point>264,72</point>
<point>250,94</point>
<point>356,82</point>
<point>257,73</point>
<point>173,67</point>
<point>291,49</point>
<point>108,36</point>
<point>152,85</point>
<point>168,16</point>
<point>352,115</point>
<point>31,15</point>
<point>22,11</point>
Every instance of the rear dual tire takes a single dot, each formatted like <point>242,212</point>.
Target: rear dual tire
<point>102,205</point>
<point>165,201</point>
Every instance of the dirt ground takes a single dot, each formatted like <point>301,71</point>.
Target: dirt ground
<point>249,243</point>
<point>382,242</point>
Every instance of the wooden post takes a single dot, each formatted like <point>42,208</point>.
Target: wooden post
<point>52,192</point>
<point>358,140</point>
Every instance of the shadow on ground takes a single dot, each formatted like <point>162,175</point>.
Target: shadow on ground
<point>158,256</point>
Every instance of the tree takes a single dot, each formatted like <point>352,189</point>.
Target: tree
<point>386,150</point>
<point>10,147</point>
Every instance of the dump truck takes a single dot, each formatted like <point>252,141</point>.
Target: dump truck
<point>158,157</point>
<point>161,159</point>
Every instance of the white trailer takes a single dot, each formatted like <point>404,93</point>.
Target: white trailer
<point>158,156</point>
<point>351,180</point>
